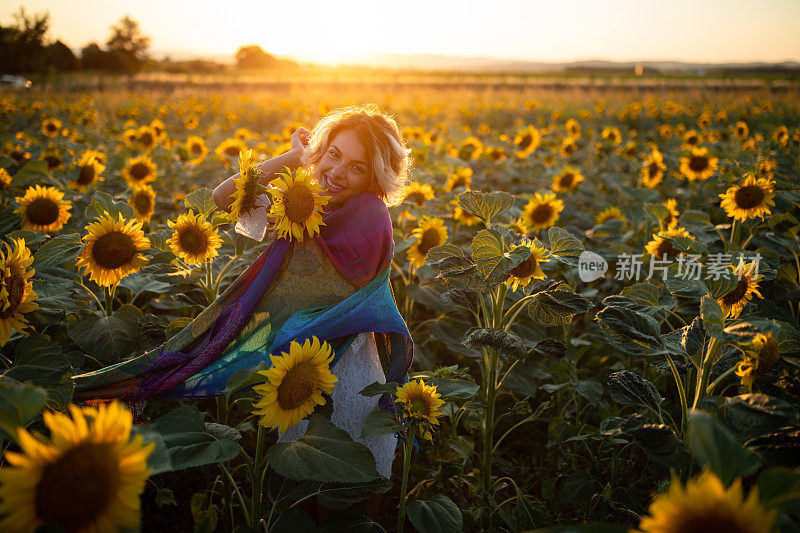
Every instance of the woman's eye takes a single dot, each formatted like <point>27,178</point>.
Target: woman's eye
<point>358,170</point>
<point>334,154</point>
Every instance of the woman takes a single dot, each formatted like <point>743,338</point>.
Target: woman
<point>335,287</point>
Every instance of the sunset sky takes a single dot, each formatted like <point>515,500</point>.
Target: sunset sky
<point>335,31</point>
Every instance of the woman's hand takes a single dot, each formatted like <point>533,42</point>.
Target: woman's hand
<point>300,139</point>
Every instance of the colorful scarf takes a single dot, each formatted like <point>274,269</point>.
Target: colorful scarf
<point>197,362</point>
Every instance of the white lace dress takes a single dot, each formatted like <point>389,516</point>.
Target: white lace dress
<point>358,367</point>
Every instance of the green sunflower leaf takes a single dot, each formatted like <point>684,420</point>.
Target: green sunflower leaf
<point>102,202</point>
<point>107,338</point>
<point>557,307</point>
<point>436,515</point>
<point>565,246</point>
<point>19,403</point>
<point>631,332</point>
<point>380,422</point>
<point>201,201</point>
<point>715,447</point>
<point>325,453</point>
<point>493,258</point>
<point>485,206</point>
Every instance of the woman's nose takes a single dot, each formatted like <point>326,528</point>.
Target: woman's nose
<point>339,170</point>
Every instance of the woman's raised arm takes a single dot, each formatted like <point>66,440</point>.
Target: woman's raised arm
<point>269,168</point>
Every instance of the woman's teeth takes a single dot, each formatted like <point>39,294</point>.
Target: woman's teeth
<point>332,186</point>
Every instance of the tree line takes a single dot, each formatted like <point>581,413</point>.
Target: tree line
<point>25,48</point>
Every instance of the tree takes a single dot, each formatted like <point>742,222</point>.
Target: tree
<point>22,46</point>
<point>253,56</point>
<point>128,45</point>
<point>61,57</point>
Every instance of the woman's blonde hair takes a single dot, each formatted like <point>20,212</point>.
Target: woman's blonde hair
<point>382,140</point>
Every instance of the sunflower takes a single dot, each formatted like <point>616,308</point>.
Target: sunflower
<point>751,199</point>
<point>652,172</point>
<point>147,138</point>
<point>628,151</point>
<point>195,240</point>
<point>573,128</point>
<point>704,120</point>
<point>733,302</point>
<point>420,402</point>
<point>43,209</point>
<point>529,269</point>
<point>196,148</point>
<point>518,226</point>
<point>542,211</point>
<point>704,504</point>
<point>781,136</point>
<point>461,177</point>
<point>567,180</point>
<point>430,233</point>
<point>699,165</point>
<point>87,477</point>
<point>229,149</point>
<point>16,291</point>
<point>527,141</point>
<point>51,127</point>
<point>244,198</point>
<point>568,147</point>
<point>112,249</point>
<point>471,148</point>
<point>139,170</point>
<point>610,213</point>
<point>191,122</point>
<point>5,179</point>
<point>295,384</point>
<point>18,153</point>
<point>417,193</point>
<point>766,167</point>
<point>298,205</point>
<point>760,355</point>
<point>159,129</point>
<point>53,158</point>
<point>671,220</point>
<point>665,130</point>
<point>143,201</point>
<point>612,135</point>
<point>662,248</point>
<point>130,137</point>
<point>89,171</point>
<point>741,131</point>
<point>691,139</point>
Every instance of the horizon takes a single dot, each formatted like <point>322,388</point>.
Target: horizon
<point>506,30</point>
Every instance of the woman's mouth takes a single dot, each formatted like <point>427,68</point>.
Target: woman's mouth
<point>331,185</point>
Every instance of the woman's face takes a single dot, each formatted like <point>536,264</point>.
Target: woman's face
<point>344,171</point>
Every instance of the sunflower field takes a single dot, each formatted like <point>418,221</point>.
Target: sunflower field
<point>603,288</point>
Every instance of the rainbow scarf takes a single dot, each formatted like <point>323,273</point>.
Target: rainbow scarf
<point>199,360</point>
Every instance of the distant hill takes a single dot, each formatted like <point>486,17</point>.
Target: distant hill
<point>433,62</point>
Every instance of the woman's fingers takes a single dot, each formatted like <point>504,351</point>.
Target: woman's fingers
<point>300,138</point>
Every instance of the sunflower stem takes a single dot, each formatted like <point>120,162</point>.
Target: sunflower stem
<point>255,508</point>
<point>92,294</point>
<point>109,307</point>
<point>409,443</point>
<point>681,392</point>
<point>222,273</point>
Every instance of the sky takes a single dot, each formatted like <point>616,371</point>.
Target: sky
<point>333,31</point>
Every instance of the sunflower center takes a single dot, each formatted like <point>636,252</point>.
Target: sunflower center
<point>569,148</point>
<point>50,127</point>
<point>526,140</point>
<point>196,148</point>
<point>42,211</point>
<point>78,488</point>
<point>653,170</point>
<point>143,203</point>
<point>768,356</point>
<point>418,406</point>
<point>430,239</point>
<point>113,250</point>
<point>740,131</point>
<point>698,163</point>
<point>15,285</point>
<point>738,293</point>
<point>665,249</point>
<point>86,175</point>
<point>460,181</point>
<point>139,171</point>
<point>53,161</point>
<point>749,196</point>
<point>232,150</point>
<point>299,203</point>
<point>17,155</point>
<point>193,240</point>
<point>567,179</point>
<point>526,268</point>
<point>541,213</point>
<point>147,139</point>
<point>705,520</point>
<point>693,139</point>
<point>417,197</point>
<point>297,385</point>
